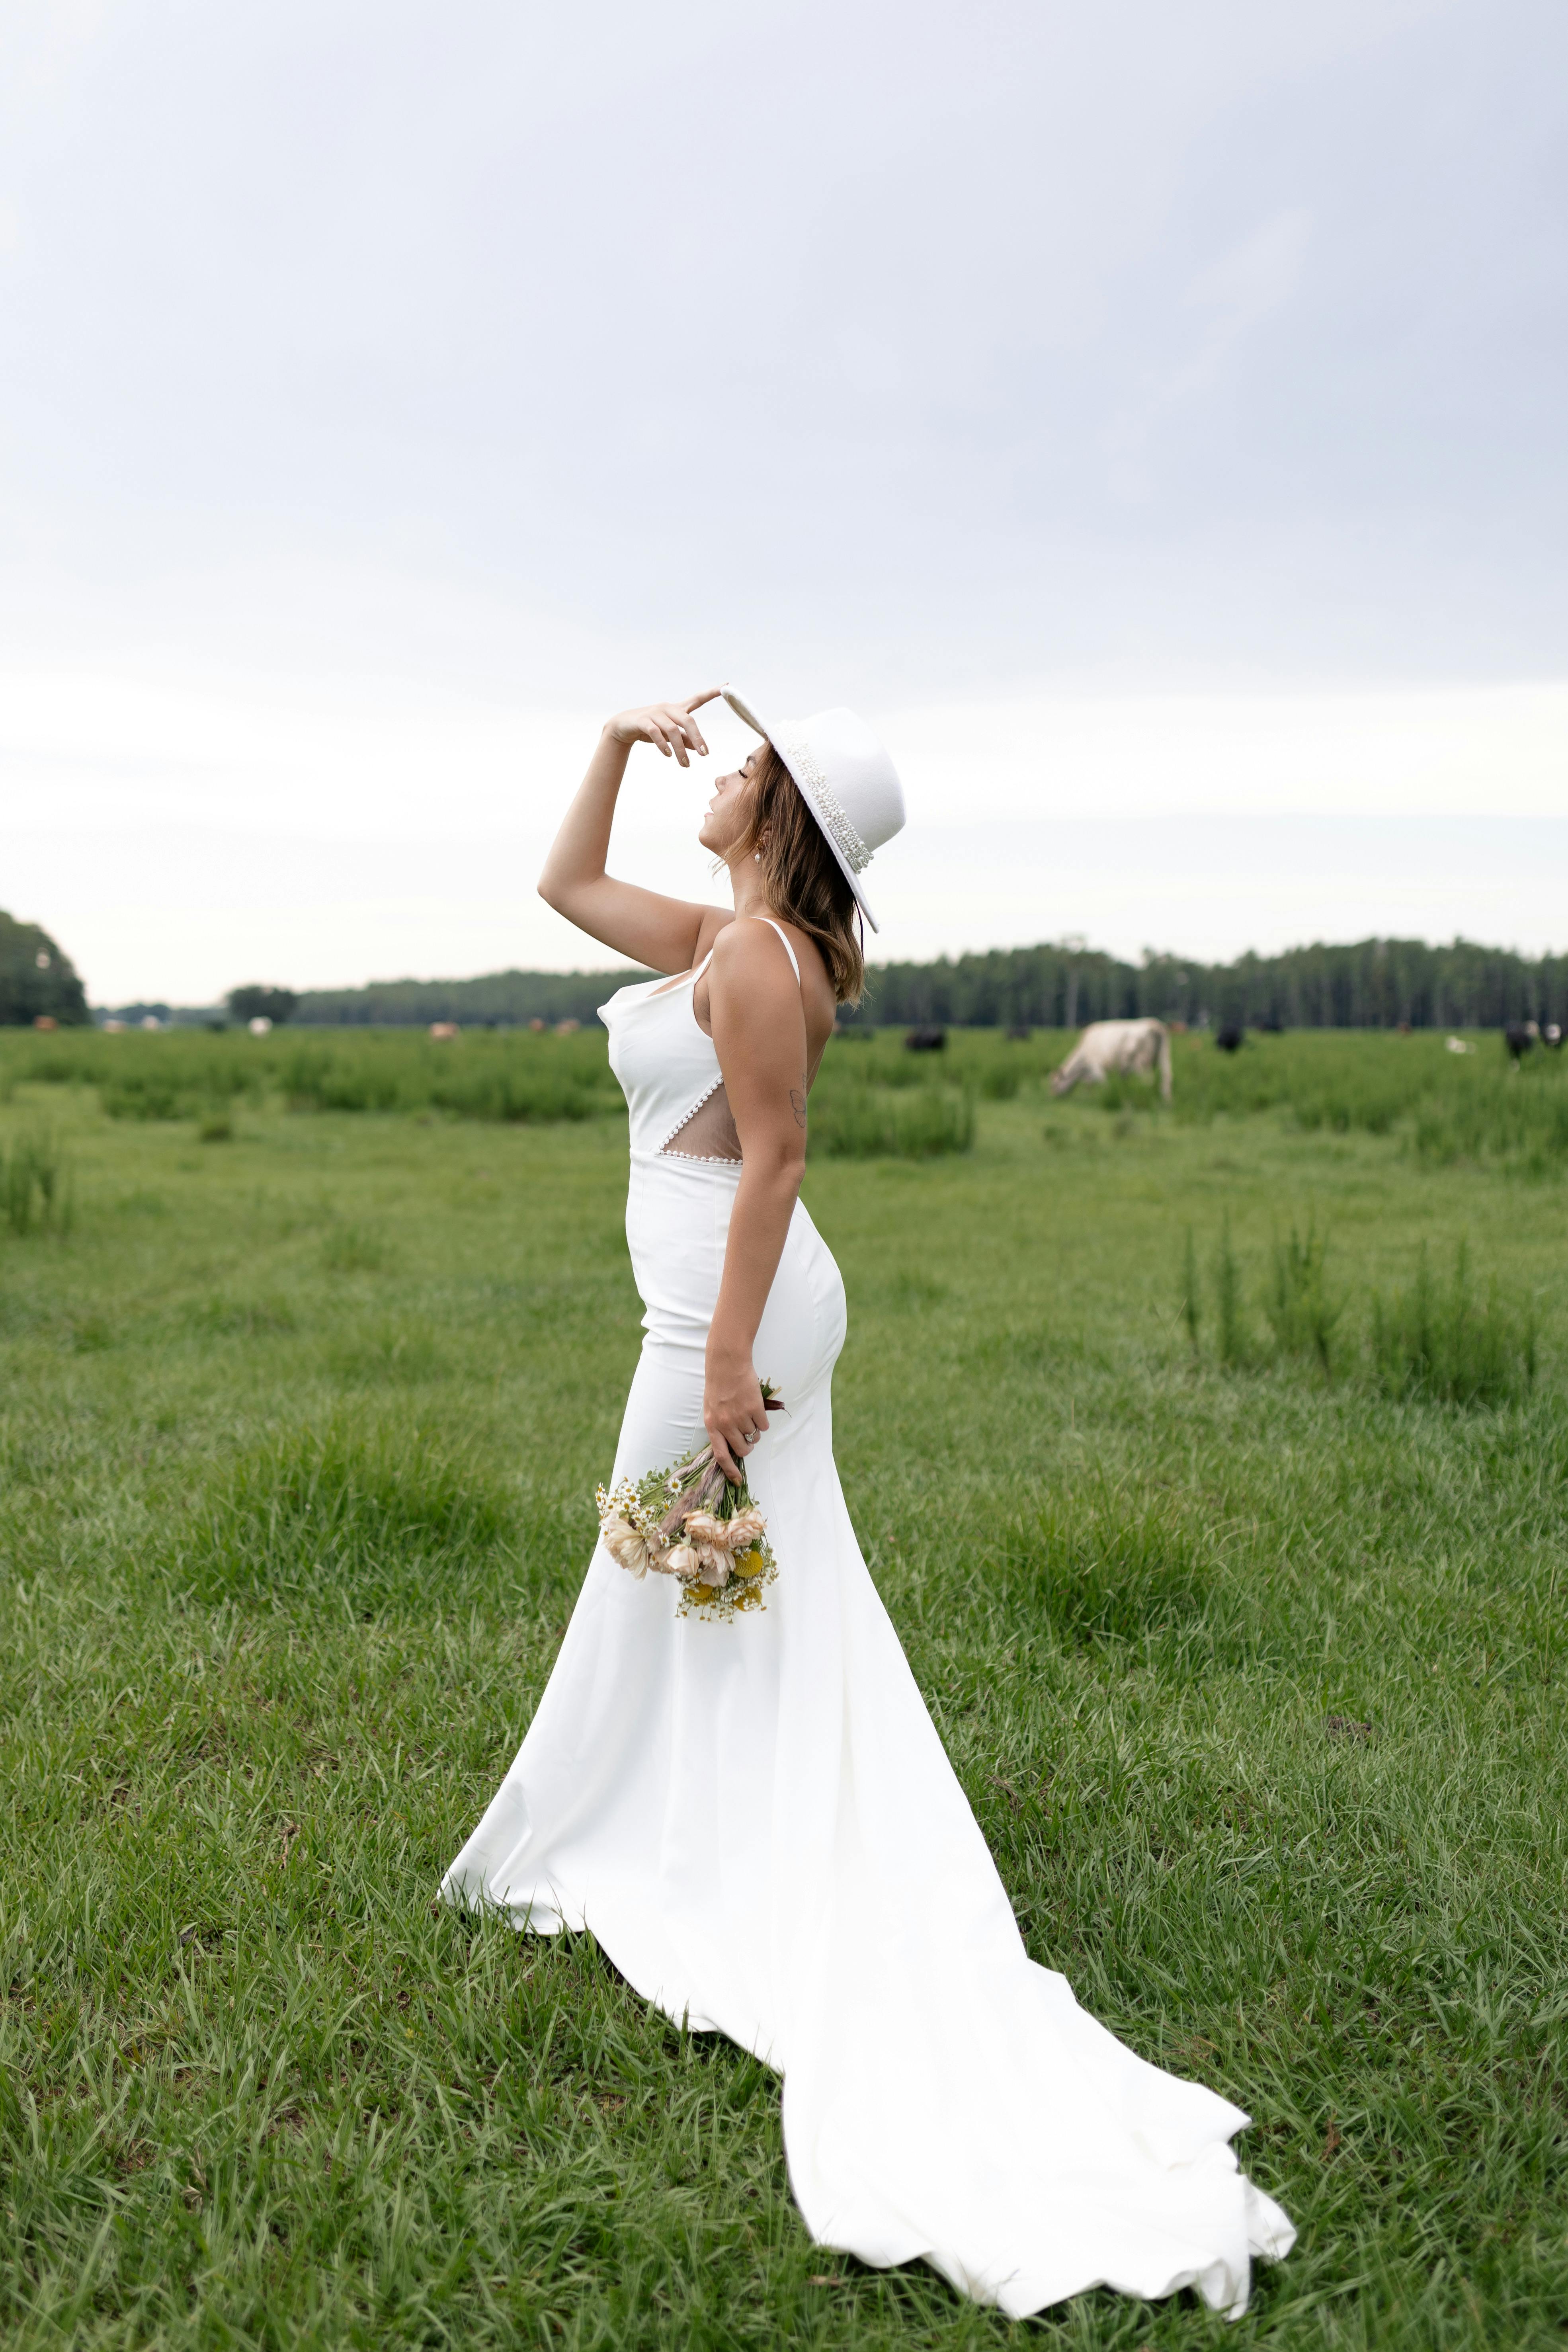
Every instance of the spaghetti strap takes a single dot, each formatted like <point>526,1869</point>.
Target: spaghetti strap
<point>690,978</point>
<point>787,949</point>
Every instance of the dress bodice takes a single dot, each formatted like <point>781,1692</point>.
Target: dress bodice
<point>666,1064</point>
<point>668,1067</point>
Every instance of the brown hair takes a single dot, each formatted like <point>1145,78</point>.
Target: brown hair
<point>804,880</point>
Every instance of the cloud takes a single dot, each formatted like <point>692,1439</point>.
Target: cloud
<point>1250,282</point>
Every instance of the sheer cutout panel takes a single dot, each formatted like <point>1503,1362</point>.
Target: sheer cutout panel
<point>709,1133</point>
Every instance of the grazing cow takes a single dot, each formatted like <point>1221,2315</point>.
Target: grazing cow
<point>1519,1036</point>
<point>1137,1047</point>
<point>443,1031</point>
<point>1552,1035</point>
<point>1457,1046</point>
<point>926,1041</point>
<point>1230,1039</point>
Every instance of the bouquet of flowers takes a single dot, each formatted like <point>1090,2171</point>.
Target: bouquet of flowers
<point>693,1523</point>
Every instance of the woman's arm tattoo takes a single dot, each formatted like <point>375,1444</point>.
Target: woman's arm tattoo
<point>797,1103</point>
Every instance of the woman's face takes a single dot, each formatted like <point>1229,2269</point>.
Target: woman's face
<point>724,826</point>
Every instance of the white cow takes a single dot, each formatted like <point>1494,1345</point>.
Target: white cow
<point>1134,1047</point>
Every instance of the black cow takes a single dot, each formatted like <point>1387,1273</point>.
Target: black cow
<point>926,1041</point>
<point>1519,1036</point>
<point>1230,1038</point>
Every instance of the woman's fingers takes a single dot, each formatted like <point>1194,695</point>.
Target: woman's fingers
<point>696,701</point>
<point>668,726</point>
<point>732,1414</point>
<point>669,731</point>
<point>731,1444</point>
<point>682,732</point>
<point>725,1456</point>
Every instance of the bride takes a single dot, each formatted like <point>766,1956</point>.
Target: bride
<point>756,1817</point>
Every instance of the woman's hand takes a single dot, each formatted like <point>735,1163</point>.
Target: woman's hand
<point>669,724</point>
<point>733,1413</point>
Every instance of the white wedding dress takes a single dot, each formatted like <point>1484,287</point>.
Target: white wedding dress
<point>758,1821</point>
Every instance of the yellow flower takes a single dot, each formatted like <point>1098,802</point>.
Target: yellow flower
<point>701,1592</point>
<point>750,1564</point>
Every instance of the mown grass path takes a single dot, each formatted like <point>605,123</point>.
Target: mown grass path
<point>1256,1683</point>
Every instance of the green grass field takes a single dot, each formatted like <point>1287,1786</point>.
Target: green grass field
<point>1247,1650</point>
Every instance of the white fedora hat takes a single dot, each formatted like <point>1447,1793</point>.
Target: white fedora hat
<point>846,779</point>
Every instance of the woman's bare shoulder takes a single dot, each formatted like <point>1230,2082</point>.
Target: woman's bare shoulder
<point>751,944</point>
<point>749,962</point>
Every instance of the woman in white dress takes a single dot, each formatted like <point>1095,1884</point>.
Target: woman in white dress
<point>756,1817</point>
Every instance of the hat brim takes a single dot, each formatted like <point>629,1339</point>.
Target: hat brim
<point>742,711</point>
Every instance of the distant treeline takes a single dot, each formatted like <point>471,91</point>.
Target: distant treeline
<point>1374,984</point>
<point>504,999</point>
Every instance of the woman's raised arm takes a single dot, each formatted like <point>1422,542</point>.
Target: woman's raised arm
<point>664,933</point>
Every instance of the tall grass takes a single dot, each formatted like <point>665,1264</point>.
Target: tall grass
<point>1449,1110</point>
<point>191,1074</point>
<point>877,1102</point>
<point>1191,1296</point>
<point>1233,1347</point>
<point>1302,1316</point>
<point>501,1078</point>
<point>36,1190</point>
<point>1436,1338</point>
<point>884,1123</point>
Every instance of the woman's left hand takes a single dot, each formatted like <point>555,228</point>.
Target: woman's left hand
<point>733,1413</point>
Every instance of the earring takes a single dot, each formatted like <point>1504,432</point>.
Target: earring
<point>756,856</point>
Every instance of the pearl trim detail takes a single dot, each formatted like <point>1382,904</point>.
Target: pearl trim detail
<point>684,1121</point>
<point>825,806</point>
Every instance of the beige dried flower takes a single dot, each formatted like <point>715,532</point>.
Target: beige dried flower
<point>629,1549</point>
<point>717,1566</point>
<point>702,1527</point>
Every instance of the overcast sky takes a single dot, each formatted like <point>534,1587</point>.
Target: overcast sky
<point>1151,416</point>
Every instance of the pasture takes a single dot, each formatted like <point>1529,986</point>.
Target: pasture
<point>1213,1463</point>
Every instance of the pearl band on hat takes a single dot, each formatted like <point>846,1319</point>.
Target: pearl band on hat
<point>802,762</point>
